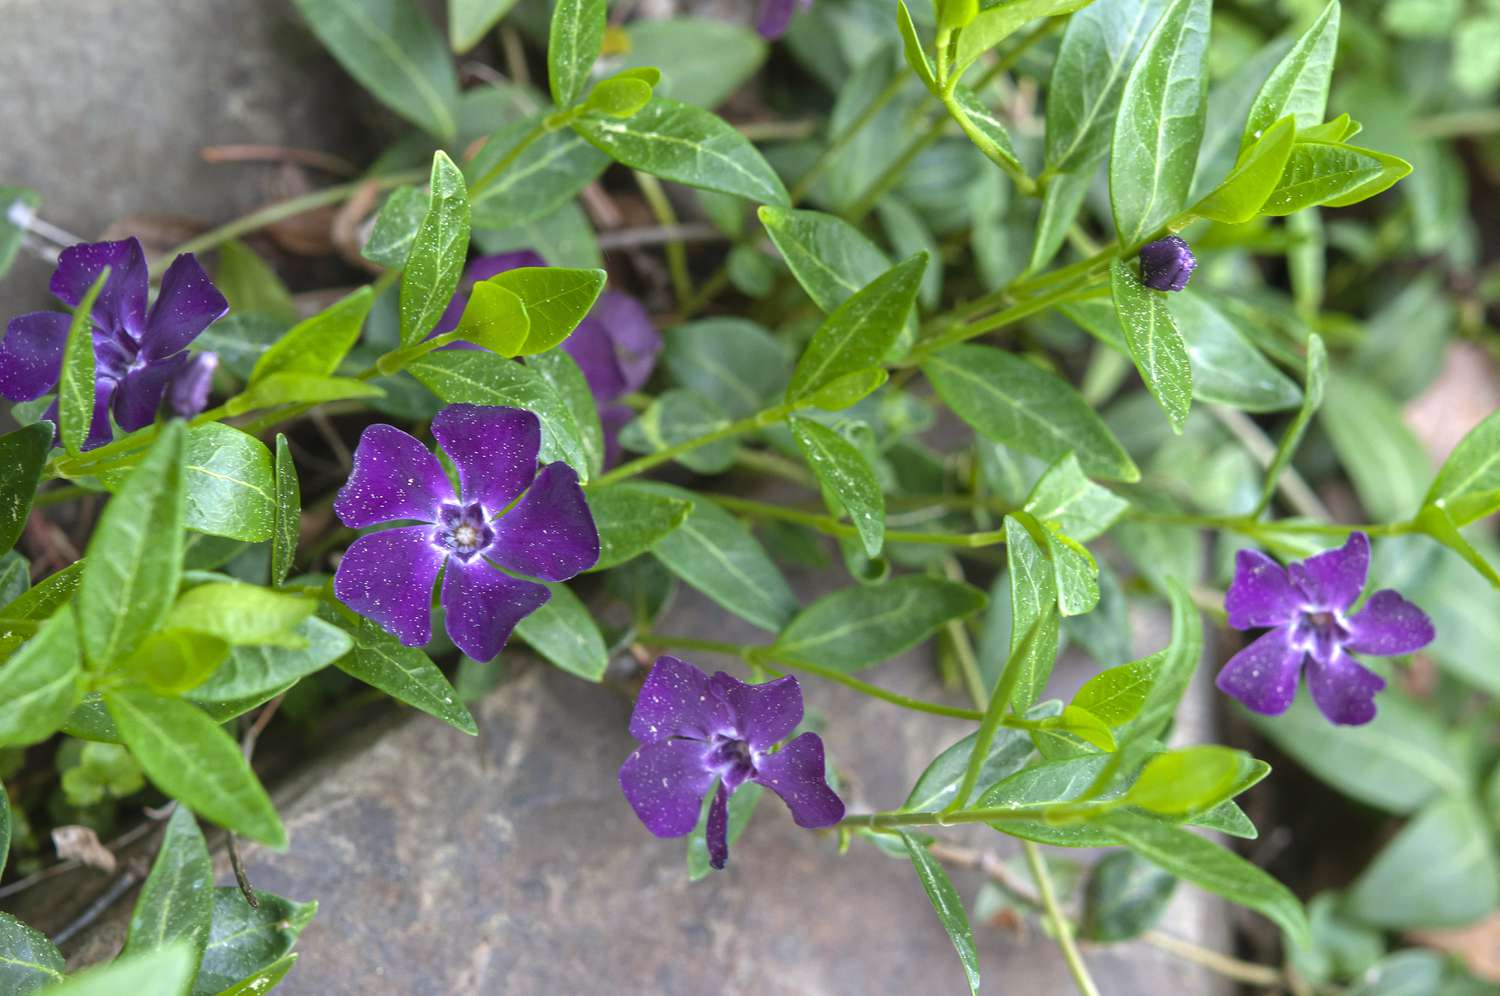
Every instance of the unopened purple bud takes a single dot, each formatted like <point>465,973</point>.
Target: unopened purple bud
<point>1167,264</point>
<point>188,394</point>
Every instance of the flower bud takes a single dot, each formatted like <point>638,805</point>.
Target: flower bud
<point>1167,264</point>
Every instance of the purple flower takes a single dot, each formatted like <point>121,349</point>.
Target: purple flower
<point>1167,264</point>
<point>695,729</point>
<point>775,15</point>
<point>137,353</point>
<point>1308,605</point>
<point>188,394</point>
<point>505,518</point>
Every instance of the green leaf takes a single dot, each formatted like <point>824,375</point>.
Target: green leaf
<point>556,299</point>
<point>939,783</point>
<point>563,631</point>
<point>714,553</point>
<point>41,684</point>
<point>1125,897</point>
<point>468,376</point>
<point>299,388</point>
<point>286,516</point>
<point>230,489</point>
<point>404,673</point>
<point>1312,399</point>
<point>1177,667</point>
<point>256,671</point>
<point>1386,463</point>
<point>15,577</point>
<point>848,390</point>
<point>984,127</point>
<point>438,252</point>
<point>702,60</point>
<point>170,661</point>
<point>1439,871</point>
<point>563,373</point>
<point>28,961</point>
<point>1227,369</point>
<point>732,360</point>
<point>830,258</point>
<point>1012,401</point>
<point>1061,202</point>
<point>541,180</point>
<point>166,970</point>
<point>76,383</point>
<point>263,980</point>
<point>677,416</point>
<point>395,227</point>
<point>688,145</point>
<point>241,613</point>
<point>1033,614</point>
<point>244,941</point>
<point>134,557</point>
<point>618,96</point>
<point>250,285</point>
<point>860,332</point>
<point>631,520</point>
<point>494,318</point>
<point>395,53</point>
<point>1319,174</point>
<point>5,829</point>
<point>23,453</point>
<point>17,210</point>
<point>1468,485</point>
<point>843,470</point>
<point>176,904</point>
<point>1159,123</point>
<point>1099,46</point>
<point>1190,780</point>
<point>573,45</point>
<point>854,628</point>
<point>1205,864</point>
<point>1079,507</point>
<point>1240,196</point>
<point>1151,335</point>
<point>470,20</point>
<point>187,756</point>
<point>1434,521</point>
<point>1298,86</point>
<point>999,22</point>
<point>1116,695</point>
<point>913,49</point>
<point>947,904</point>
<point>317,345</point>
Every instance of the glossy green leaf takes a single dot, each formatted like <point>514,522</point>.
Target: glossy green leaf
<point>1385,461</point>
<point>560,370</point>
<point>28,961</point>
<point>1468,485</point>
<point>1080,508</point>
<point>631,520</point>
<point>844,472</point>
<point>230,489</point>
<point>999,22</point>
<point>41,684</point>
<point>555,298</point>
<point>285,388</point>
<point>404,673</point>
<point>166,970</point>
<point>263,980</point>
<point>1190,780</point>
<point>1033,613</point>
<point>250,285</point>
<point>254,671</point>
<point>678,416</point>
<point>1012,401</point>
<point>243,941</point>
<point>1439,871</point>
<point>1155,344</point>
<point>1329,175</point>
<point>848,390</point>
<point>1298,86</point>
<point>23,453</point>
<point>395,53</point>
<point>913,49</point>
<point>1116,695</point>
<point>830,258</point>
<point>470,20</point>
<point>317,345</point>
<point>1159,123</point>
<point>76,381</point>
<point>619,96</point>
<point>15,577</point>
<point>732,360</point>
<point>688,145</point>
<point>938,784</point>
<point>396,225</point>
<point>187,756</point>
<point>242,613</point>
<point>1125,897</point>
<point>573,45</point>
<point>542,179</point>
<point>984,127</point>
<point>173,660</point>
<point>563,631</point>
<point>947,904</point>
<point>703,60</point>
<point>494,318</point>
<point>1241,195</point>
<point>177,902</point>
<point>286,516</point>
<point>860,332</point>
<point>1061,202</point>
<point>854,628</point>
<point>438,252</point>
<point>134,557</point>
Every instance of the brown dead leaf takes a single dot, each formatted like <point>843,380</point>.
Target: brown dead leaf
<point>82,844</point>
<point>1477,944</point>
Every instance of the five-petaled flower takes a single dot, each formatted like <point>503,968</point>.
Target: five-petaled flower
<point>775,15</point>
<point>1167,264</point>
<point>694,729</point>
<point>505,520</point>
<point>138,353</point>
<point>1308,604</point>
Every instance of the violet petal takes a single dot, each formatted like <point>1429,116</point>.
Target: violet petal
<point>494,449</point>
<point>188,394</point>
<point>664,783</point>
<point>675,702</point>
<point>1263,676</point>
<point>388,577</point>
<point>481,606</point>
<point>394,477</point>
<point>100,431</point>
<point>716,830</point>
<point>615,346</point>
<point>796,773</point>
<point>765,713</point>
<point>1261,594</point>
<point>122,301</point>
<point>1344,689</point>
<point>550,533</point>
<point>775,15</point>
<point>1333,579</point>
<point>612,418</point>
<point>138,397</point>
<point>187,304</point>
<point>1389,624</point>
<point>31,354</point>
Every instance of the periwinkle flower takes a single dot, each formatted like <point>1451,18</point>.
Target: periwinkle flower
<point>505,520</point>
<point>188,393</point>
<point>1308,605</point>
<point>1167,264</point>
<point>775,15</point>
<point>138,353</point>
<point>694,729</point>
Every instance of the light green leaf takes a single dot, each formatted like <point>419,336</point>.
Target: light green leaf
<point>913,49</point>
<point>41,684</point>
<point>250,285</point>
<point>1080,508</point>
<point>844,472</point>
<point>1319,174</point>
<point>494,318</point>
<point>1033,613</point>
<point>702,60</point>
<point>404,673</point>
<point>245,941</point>
<point>573,45</point>
<point>470,20</point>
<point>830,258</point>
<point>317,345</point>
<point>1116,695</point>
<point>1241,194</point>
<point>438,251</point>
<point>396,225</point>
<point>563,373</point>
<point>848,390</point>
<point>242,613</point>
<point>732,360</point>
<point>1298,86</point>
<point>1190,780</point>
<point>286,517</point>
<point>1151,335</point>
<point>1468,485</point>
<point>260,671</point>
<point>860,332</point>
<point>166,970</point>
<point>1386,463</point>
<point>949,907</point>
<point>263,980</point>
<point>631,520</point>
<point>176,904</point>
<point>1439,871</point>
<point>555,299</point>
<point>999,22</point>
<point>23,453</point>
<point>76,384</point>
<point>563,631</point>
<point>299,388</point>
<point>171,661</point>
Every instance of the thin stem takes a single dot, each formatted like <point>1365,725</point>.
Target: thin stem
<point>666,216</point>
<point>1476,122</point>
<point>1232,968</point>
<point>1256,443</point>
<point>1257,528</point>
<point>1062,929</point>
<point>1011,315</point>
<point>842,139</point>
<point>828,525</point>
<point>759,420</point>
<point>507,160</point>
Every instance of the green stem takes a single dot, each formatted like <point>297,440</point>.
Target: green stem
<point>661,208</point>
<point>59,495</point>
<point>1011,315</point>
<point>759,420</point>
<point>830,526</point>
<point>509,159</point>
<point>1023,181</point>
<point>842,139</point>
<point>1256,528</point>
<point>1062,928</point>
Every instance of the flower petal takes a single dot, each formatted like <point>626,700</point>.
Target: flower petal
<point>612,418</point>
<point>31,354</point>
<point>187,304</point>
<point>394,477</point>
<point>1333,579</point>
<point>615,346</point>
<point>1344,689</point>
<point>1264,675</point>
<point>138,398</point>
<point>1261,594</point>
<point>494,449</point>
<point>481,268</point>
<point>676,701</point>
<point>100,431</point>
<point>716,831</point>
<point>481,606</point>
<point>550,533</point>
<point>775,15</point>
<point>122,301</point>
<point>665,783</point>
<point>388,577</point>
<point>188,394</point>
<point>1389,624</point>
<point>764,713</point>
<point>796,774</point>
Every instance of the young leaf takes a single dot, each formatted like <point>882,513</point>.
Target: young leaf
<point>688,145</point>
<point>76,385</point>
<point>1312,400</point>
<point>41,684</point>
<point>573,44</point>
<point>286,517</point>
<point>395,53</point>
<point>28,961</point>
<point>1034,632</point>
<point>854,628</point>
<point>949,907</point>
<point>999,22</point>
<point>860,331</point>
<point>1117,694</point>
<point>437,254</point>
<point>470,20</point>
<point>176,903</point>
<point>631,520</point>
<point>555,300</point>
<point>1159,352</point>
<point>984,128</point>
<point>165,970</point>
<point>1079,507</point>
<point>1319,174</point>
<point>1468,485</point>
<point>1298,86</point>
<point>563,631</point>
<point>912,48</point>
<point>171,661</point>
<point>23,453</point>
<point>843,470</point>
<point>848,390</point>
<point>187,756</point>
<point>258,672</point>
<point>134,558</point>
<point>241,613</point>
<point>1190,780</point>
<point>494,318</point>
<point>1246,189</point>
<point>244,941</point>
<point>619,96</point>
<point>1159,123</point>
<point>229,489</point>
<point>1012,401</point>
<point>404,673</point>
<point>317,345</point>
<point>250,285</point>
